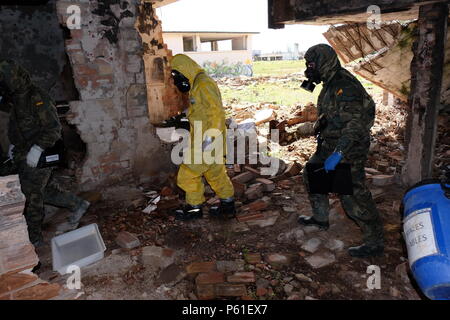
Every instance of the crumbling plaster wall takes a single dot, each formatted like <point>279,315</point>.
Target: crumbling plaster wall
<point>33,37</point>
<point>111,114</point>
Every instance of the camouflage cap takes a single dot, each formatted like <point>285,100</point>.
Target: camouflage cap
<point>325,58</point>
<point>14,77</point>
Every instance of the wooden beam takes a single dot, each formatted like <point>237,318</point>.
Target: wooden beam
<point>335,12</point>
<point>426,81</point>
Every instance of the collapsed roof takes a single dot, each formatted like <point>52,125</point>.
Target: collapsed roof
<point>383,56</point>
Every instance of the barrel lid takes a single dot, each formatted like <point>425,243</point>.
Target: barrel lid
<point>423,183</point>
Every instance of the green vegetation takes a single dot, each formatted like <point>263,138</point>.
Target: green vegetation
<point>281,93</point>
<point>278,68</point>
<point>278,91</point>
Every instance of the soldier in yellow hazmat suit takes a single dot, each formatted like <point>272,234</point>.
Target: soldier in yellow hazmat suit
<point>206,115</point>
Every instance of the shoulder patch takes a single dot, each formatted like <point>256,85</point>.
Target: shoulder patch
<point>39,103</point>
<point>339,92</point>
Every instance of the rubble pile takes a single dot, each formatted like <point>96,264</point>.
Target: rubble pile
<point>263,253</point>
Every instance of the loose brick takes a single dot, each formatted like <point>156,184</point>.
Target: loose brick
<point>210,278</point>
<point>277,259</point>
<point>244,177</point>
<point>231,290</point>
<point>201,267</point>
<point>18,259</point>
<point>126,240</point>
<point>42,291</point>
<point>255,192</point>
<point>206,291</point>
<point>285,184</point>
<point>269,185</point>
<point>250,216</point>
<point>257,172</point>
<point>257,205</point>
<point>239,188</point>
<point>242,277</point>
<point>10,282</point>
<point>293,169</point>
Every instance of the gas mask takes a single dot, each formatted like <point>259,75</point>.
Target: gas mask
<point>313,76</point>
<point>181,82</point>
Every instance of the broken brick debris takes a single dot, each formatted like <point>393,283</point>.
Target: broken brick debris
<point>242,277</point>
<point>244,177</point>
<point>231,290</point>
<point>277,259</point>
<point>250,216</point>
<point>201,267</point>
<point>127,240</point>
<point>206,291</point>
<point>257,205</point>
<point>210,278</point>
<point>255,191</point>
<point>269,185</point>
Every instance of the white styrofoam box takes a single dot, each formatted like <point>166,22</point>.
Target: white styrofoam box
<point>80,247</point>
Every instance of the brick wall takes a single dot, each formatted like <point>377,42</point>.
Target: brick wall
<point>112,115</point>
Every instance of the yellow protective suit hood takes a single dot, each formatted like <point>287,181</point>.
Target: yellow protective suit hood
<point>188,67</point>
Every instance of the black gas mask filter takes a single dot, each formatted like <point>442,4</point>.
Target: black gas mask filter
<point>181,82</point>
<point>312,75</point>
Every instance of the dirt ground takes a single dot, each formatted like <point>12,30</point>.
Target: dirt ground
<point>121,274</point>
<point>127,274</point>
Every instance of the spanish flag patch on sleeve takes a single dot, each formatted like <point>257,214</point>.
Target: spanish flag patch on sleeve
<point>40,103</point>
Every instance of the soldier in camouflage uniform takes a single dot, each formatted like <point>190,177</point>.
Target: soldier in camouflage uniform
<point>34,126</point>
<point>346,114</point>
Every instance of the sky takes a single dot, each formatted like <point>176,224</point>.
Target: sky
<point>238,15</point>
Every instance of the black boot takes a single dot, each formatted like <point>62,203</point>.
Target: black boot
<point>311,221</point>
<point>226,209</point>
<point>189,212</point>
<point>364,251</point>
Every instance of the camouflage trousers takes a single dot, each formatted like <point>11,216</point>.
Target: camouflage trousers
<point>39,189</point>
<point>360,206</point>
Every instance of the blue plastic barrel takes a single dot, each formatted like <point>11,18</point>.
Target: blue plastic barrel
<point>426,226</point>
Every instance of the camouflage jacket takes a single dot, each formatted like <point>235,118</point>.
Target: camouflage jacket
<point>349,111</point>
<point>33,116</point>
<point>345,104</point>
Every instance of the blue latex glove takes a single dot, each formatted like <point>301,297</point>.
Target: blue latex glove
<point>332,161</point>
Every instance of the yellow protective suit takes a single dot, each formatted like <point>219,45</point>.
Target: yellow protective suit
<point>205,107</point>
